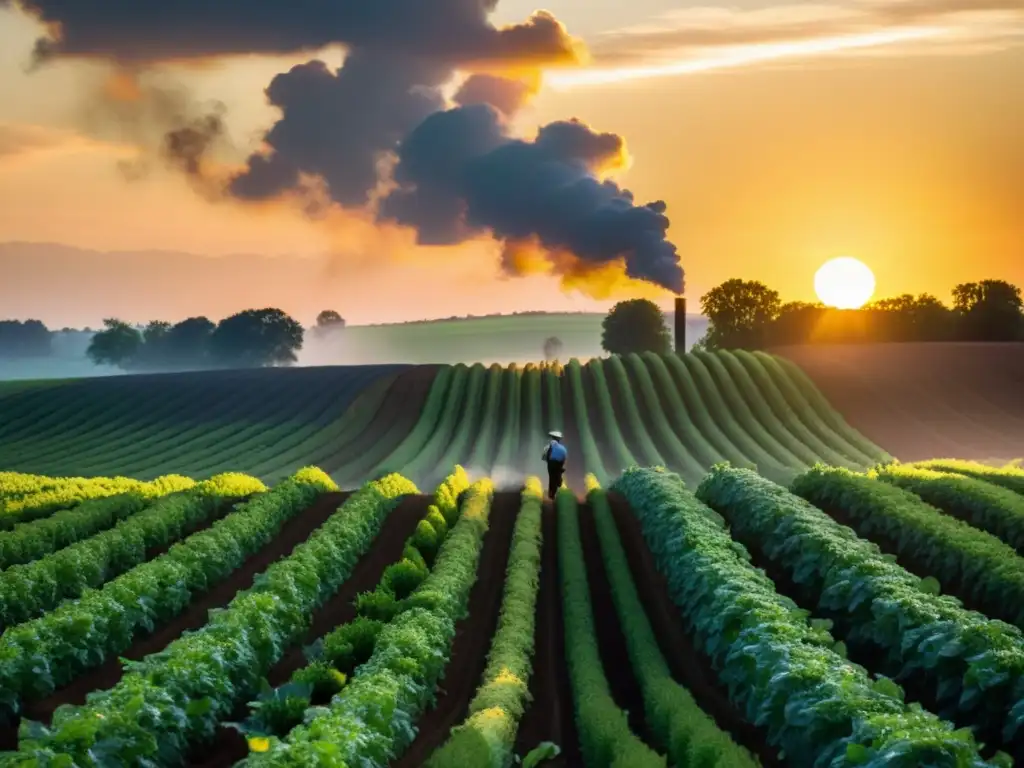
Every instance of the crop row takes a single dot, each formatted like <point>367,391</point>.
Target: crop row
<point>682,730</point>
<point>176,697</point>
<point>371,720</point>
<point>335,657</point>
<point>974,565</point>
<point>973,666</point>
<point>781,670</point>
<point>487,736</point>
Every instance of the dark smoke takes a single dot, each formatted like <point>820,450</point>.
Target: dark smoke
<point>145,31</point>
<point>459,173</point>
<point>338,125</point>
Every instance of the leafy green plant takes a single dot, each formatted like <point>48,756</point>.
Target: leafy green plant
<point>604,734</point>
<point>403,577</point>
<point>370,721</point>
<point>352,644</point>
<point>487,736</point>
<point>780,669</point>
<point>687,735</point>
<point>425,539</point>
<point>178,695</point>
<point>975,665</point>
<point>322,678</point>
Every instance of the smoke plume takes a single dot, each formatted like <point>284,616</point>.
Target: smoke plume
<point>378,135</point>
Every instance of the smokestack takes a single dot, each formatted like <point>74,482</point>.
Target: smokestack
<point>680,325</point>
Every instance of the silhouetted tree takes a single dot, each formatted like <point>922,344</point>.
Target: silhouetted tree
<point>330,319</point>
<point>739,312</point>
<point>989,310</point>
<point>552,348</point>
<point>256,338</point>
<point>636,325</point>
<point>116,345</point>
<point>29,338</point>
<point>915,318</point>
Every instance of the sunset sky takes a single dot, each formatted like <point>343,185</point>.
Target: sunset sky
<point>779,135</point>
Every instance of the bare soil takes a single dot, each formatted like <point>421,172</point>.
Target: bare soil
<point>472,637</point>
<point>550,715</point>
<point>920,400</point>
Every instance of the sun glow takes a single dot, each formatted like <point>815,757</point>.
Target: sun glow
<point>844,283</point>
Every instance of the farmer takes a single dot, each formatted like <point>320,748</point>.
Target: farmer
<point>555,455</point>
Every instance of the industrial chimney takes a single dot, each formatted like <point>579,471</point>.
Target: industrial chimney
<point>680,325</point>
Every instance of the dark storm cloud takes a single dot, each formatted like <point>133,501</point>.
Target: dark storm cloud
<point>337,124</point>
<point>500,92</point>
<point>159,30</point>
<point>460,173</point>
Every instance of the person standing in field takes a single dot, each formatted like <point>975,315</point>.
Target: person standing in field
<point>555,455</point>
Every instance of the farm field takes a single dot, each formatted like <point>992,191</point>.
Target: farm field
<point>682,412</point>
<point>356,567</point>
<point>649,622</point>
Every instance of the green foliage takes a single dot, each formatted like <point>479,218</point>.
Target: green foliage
<point>379,604</point>
<point>486,738</point>
<point>989,310</point>
<point>256,338</point>
<point>604,735</point>
<point>193,682</point>
<point>352,644</point>
<point>279,710</point>
<point>979,503</point>
<point>32,588</point>
<point>403,577</point>
<point>975,665</point>
<point>31,497</point>
<point>682,730</point>
<point>1008,477</point>
<point>425,538</point>
<point>636,325</point>
<point>322,678</point>
<point>32,540</point>
<point>115,345</point>
<point>369,722</point>
<point>976,566</point>
<point>437,521</point>
<point>739,313</point>
<point>781,670</point>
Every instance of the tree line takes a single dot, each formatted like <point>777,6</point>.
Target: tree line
<point>748,314</point>
<point>253,338</point>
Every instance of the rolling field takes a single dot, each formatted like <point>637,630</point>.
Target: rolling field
<point>177,587</point>
<point>686,413</point>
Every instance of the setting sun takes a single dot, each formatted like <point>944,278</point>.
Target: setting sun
<point>844,283</point>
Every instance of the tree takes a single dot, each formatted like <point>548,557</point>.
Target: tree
<point>990,310</point>
<point>256,338</point>
<point>30,338</point>
<point>552,348</point>
<point>739,313</point>
<point>116,345</point>
<point>915,318</point>
<point>188,343</point>
<point>636,325</point>
<point>329,319</point>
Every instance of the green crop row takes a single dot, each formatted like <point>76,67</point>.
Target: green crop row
<point>604,734</point>
<point>31,540</point>
<point>977,502</point>
<point>486,738</point>
<point>335,657</point>
<point>973,565</point>
<point>1009,477</point>
<point>67,494</point>
<point>372,720</point>
<point>780,670</point>
<point>29,590</point>
<point>681,728</point>
<point>974,665</point>
<point>173,698</point>
<point>41,655</point>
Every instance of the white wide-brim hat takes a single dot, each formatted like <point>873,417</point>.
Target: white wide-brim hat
<point>555,434</point>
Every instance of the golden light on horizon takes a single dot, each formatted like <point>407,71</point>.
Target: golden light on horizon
<point>844,283</point>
